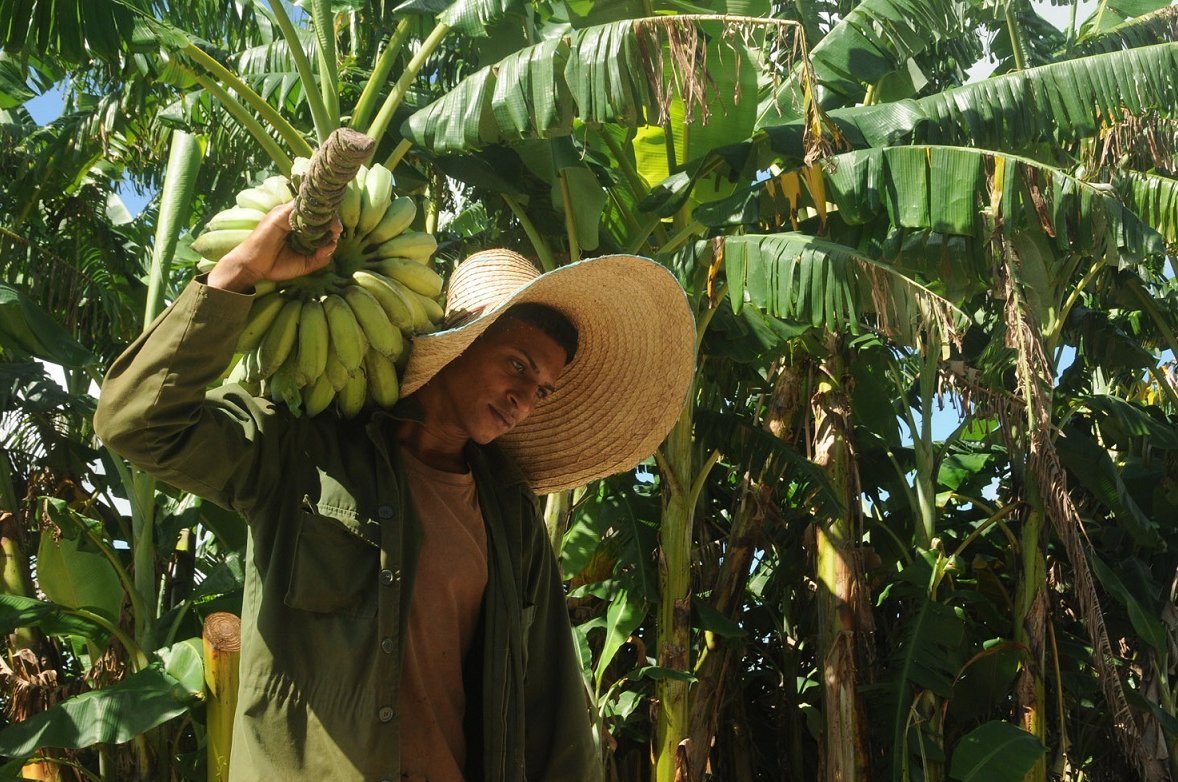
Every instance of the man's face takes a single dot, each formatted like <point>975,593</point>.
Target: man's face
<point>499,380</point>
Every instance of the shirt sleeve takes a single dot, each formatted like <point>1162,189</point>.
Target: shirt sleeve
<point>153,407</point>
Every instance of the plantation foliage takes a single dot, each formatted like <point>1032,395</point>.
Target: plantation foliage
<point>917,518</point>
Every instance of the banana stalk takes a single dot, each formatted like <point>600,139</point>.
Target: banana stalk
<point>323,188</point>
<point>222,653</point>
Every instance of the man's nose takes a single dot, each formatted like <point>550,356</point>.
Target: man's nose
<point>523,399</point>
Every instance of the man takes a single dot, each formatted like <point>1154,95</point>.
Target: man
<point>403,615</point>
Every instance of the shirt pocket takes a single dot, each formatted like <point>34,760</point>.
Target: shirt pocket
<point>334,565</point>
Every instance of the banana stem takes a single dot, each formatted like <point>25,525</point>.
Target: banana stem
<point>640,236</point>
<point>681,236</point>
<point>136,656</point>
<point>395,156</point>
<point>570,222</point>
<point>434,205</point>
<point>281,160</point>
<point>297,143</point>
<point>381,123</point>
<point>380,74</point>
<point>328,72</point>
<point>1016,39</point>
<point>319,112</point>
<point>538,242</point>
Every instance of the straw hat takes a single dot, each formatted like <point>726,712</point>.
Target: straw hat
<point>627,382</point>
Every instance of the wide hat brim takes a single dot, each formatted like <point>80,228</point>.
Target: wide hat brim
<point>626,385</point>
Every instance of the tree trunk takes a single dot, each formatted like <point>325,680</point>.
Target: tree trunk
<point>840,587</point>
<point>718,675</point>
<point>674,610</point>
<point>222,647</point>
<point>1030,620</point>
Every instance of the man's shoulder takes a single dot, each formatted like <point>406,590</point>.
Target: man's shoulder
<point>493,462</point>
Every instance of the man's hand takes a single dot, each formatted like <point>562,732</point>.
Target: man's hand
<point>266,255</point>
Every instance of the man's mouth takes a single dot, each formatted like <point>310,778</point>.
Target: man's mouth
<point>508,422</point>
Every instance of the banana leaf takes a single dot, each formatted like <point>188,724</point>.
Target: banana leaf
<point>1146,621</point>
<point>1102,343</point>
<point>1121,420</point>
<point>75,30</point>
<point>606,73</point>
<point>831,286</point>
<point>1154,198</point>
<point>944,189</point>
<point>111,715</point>
<point>52,619</point>
<point>28,330</point>
<point>476,17</point>
<point>874,39</point>
<point>1056,103</point>
<point>1160,26</point>
<point>1092,468</point>
<point>995,752</point>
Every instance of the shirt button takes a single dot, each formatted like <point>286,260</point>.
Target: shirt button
<point>387,577</point>
<point>385,511</point>
<point>386,645</point>
<point>386,713</point>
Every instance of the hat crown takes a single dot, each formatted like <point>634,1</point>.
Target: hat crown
<point>483,281</point>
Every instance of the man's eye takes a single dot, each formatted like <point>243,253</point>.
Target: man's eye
<point>517,365</point>
<point>541,393</point>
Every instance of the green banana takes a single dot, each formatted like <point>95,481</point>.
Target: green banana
<point>307,350</point>
<point>257,198</point>
<point>350,399</point>
<point>298,169</point>
<point>238,374</point>
<point>279,187</point>
<point>335,371</point>
<point>318,396</point>
<point>347,339</point>
<point>313,343</point>
<point>383,336</point>
<point>283,387</point>
<point>389,294</point>
<point>397,218</point>
<point>383,388</point>
<point>349,209</point>
<point>415,245</point>
<point>253,371</point>
<point>433,310</point>
<point>262,313</point>
<point>378,186</point>
<point>421,321</point>
<point>280,338</point>
<point>235,217</point>
<point>215,245</point>
<point>413,275</point>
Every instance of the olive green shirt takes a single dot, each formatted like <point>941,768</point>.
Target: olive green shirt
<point>330,561</point>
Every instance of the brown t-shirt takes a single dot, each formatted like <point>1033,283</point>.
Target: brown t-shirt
<point>447,600</point>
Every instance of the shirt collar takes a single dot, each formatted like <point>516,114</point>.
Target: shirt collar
<point>489,461</point>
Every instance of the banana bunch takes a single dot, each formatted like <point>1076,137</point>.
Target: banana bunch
<point>339,335</point>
